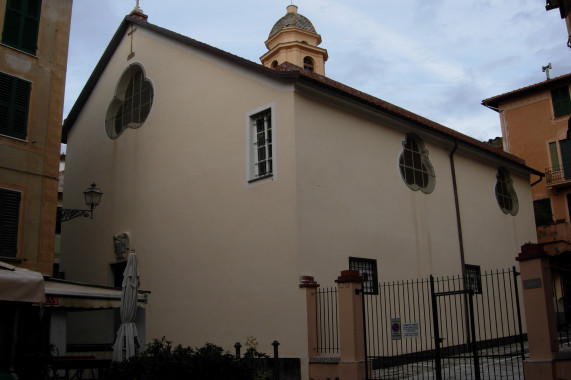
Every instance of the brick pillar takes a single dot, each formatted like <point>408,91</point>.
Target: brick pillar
<point>310,286</point>
<point>351,334</point>
<point>539,312</point>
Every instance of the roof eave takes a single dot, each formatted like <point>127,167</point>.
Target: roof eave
<point>495,100</point>
<point>93,79</point>
<point>116,40</point>
<point>428,125</point>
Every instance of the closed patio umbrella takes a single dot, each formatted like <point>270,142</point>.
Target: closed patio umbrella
<point>127,341</point>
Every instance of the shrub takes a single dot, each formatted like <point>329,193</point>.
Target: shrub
<point>161,361</point>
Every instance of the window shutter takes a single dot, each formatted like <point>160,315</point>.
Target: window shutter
<point>31,26</point>
<point>9,216</point>
<point>12,26</point>
<point>14,102</point>
<point>21,24</point>
<point>561,101</point>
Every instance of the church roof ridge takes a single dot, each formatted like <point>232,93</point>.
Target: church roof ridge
<point>286,71</point>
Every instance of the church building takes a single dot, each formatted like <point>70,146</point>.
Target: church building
<point>231,179</point>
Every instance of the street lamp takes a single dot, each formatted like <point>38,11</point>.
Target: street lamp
<point>92,198</point>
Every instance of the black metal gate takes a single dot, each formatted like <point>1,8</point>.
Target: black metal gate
<point>445,328</point>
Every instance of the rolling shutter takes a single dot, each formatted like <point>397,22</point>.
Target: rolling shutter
<point>9,217</point>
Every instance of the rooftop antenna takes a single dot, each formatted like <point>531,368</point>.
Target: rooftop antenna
<point>545,69</point>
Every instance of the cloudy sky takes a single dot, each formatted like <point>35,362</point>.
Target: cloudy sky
<point>436,58</point>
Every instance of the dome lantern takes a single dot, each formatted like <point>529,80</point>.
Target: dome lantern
<point>293,39</point>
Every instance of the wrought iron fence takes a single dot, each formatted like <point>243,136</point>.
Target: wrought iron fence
<point>447,327</point>
<point>557,174</point>
<point>400,308</point>
<point>327,321</point>
<point>561,284</point>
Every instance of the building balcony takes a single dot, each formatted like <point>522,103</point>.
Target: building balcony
<point>558,176</point>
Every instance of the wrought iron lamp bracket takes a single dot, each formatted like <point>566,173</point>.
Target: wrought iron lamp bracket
<point>68,214</point>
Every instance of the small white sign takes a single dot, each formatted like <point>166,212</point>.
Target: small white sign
<point>411,329</point>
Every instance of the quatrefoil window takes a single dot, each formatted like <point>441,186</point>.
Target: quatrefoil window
<point>505,192</point>
<point>131,103</point>
<point>415,167</point>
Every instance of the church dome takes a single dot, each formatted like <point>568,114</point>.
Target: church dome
<point>292,19</point>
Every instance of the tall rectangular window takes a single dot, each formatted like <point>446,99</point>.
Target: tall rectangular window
<point>14,102</point>
<point>261,145</point>
<point>561,101</point>
<point>542,212</point>
<point>9,217</point>
<point>368,270</point>
<point>21,24</point>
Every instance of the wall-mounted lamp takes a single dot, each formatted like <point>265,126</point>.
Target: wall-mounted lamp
<point>92,198</point>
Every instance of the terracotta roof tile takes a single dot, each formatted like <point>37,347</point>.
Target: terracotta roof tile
<point>494,100</point>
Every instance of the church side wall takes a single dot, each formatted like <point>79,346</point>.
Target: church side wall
<point>352,201</point>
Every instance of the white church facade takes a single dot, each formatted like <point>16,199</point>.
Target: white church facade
<point>232,179</point>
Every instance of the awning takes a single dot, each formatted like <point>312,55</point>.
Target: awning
<point>23,285</point>
<point>61,293</point>
<point>20,285</point>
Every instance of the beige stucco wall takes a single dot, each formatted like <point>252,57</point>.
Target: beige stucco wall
<point>219,256</point>
<point>353,202</point>
<point>31,165</point>
<point>222,257</point>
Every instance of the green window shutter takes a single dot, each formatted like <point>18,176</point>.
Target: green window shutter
<point>14,103</point>
<point>561,101</point>
<point>9,216</point>
<point>21,24</point>
<point>542,212</point>
<point>554,156</point>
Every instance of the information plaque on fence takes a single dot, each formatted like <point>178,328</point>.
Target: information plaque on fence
<point>411,329</point>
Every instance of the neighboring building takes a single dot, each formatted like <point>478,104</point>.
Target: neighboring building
<point>33,61</point>
<point>564,7</point>
<point>536,125</point>
<point>57,249</point>
<point>232,179</point>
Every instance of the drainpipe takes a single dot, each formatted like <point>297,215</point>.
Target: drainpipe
<point>456,203</point>
<point>536,182</point>
<point>460,238</point>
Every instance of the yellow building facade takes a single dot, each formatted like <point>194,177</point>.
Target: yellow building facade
<point>33,61</point>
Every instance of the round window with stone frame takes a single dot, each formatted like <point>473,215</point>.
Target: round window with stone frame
<point>505,192</point>
<point>131,103</point>
<point>415,167</point>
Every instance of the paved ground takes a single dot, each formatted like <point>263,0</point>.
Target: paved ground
<point>502,362</point>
